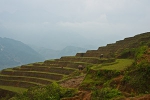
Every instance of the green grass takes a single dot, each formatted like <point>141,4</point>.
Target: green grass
<point>77,57</point>
<point>8,69</point>
<point>13,89</point>
<point>81,63</point>
<point>50,60</point>
<point>88,79</point>
<point>121,65</point>
<point>40,72</point>
<point>38,63</point>
<point>25,77</point>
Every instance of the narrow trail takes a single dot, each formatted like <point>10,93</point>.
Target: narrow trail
<point>74,83</point>
<point>87,96</point>
<point>117,81</point>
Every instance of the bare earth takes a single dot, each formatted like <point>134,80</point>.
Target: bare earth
<point>72,83</point>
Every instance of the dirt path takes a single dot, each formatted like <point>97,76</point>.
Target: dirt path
<point>72,83</point>
<point>87,96</point>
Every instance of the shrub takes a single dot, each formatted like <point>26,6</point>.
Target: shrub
<point>138,77</point>
<point>105,94</point>
<point>140,51</point>
<point>127,53</point>
<point>50,92</point>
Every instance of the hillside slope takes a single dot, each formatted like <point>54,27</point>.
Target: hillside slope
<point>123,73</point>
<point>13,53</point>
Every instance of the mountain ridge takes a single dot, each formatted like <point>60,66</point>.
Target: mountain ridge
<point>13,53</point>
<point>53,54</point>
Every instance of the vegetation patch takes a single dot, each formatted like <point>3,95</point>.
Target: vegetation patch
<point>17,83</point>
<point>50,92</point>
<point>138,79</point>
<point>98,78</point>
<point>52,76</point>
<point>106,93</point>
<point>127,53</point>
<point>13,89</point>
<point>121,65</point>
<point>28,79</point>
<point>140,51</point>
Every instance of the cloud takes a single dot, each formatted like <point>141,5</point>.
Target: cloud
<point>93,19</point>
<point>86,24</point>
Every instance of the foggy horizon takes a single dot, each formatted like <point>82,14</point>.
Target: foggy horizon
<point>56,24</point>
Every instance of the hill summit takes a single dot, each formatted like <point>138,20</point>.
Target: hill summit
<point>117,71</point>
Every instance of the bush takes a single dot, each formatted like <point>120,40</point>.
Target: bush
<point>140,51</point>
<point>138,78</point>
<point>127,53</point>
<point>105,94</point>
<point>50,92</point>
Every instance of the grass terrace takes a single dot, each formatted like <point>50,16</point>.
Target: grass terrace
<point>28,79</point>
<point>13,89</point>
<point>18,83</point>
<point>46,75</point>
<point>119,64</point>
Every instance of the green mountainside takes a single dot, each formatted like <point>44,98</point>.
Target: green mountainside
<point>13,53</point>
<point>122,73</point>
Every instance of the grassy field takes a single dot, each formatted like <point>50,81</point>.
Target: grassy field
<point>119,64</point>
<point>13,89</point>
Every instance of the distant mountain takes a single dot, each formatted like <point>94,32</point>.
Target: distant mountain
<point>46,53</point>
<point>13,53</point>
<point>71,51</point>
<point>52,54</point>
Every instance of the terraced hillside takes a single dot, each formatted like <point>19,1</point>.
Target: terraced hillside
<point>98,72</point>
<point>44,73</point>
<point>114,49</point>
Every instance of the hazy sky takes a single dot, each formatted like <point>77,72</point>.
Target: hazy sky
<point>94,21</point>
